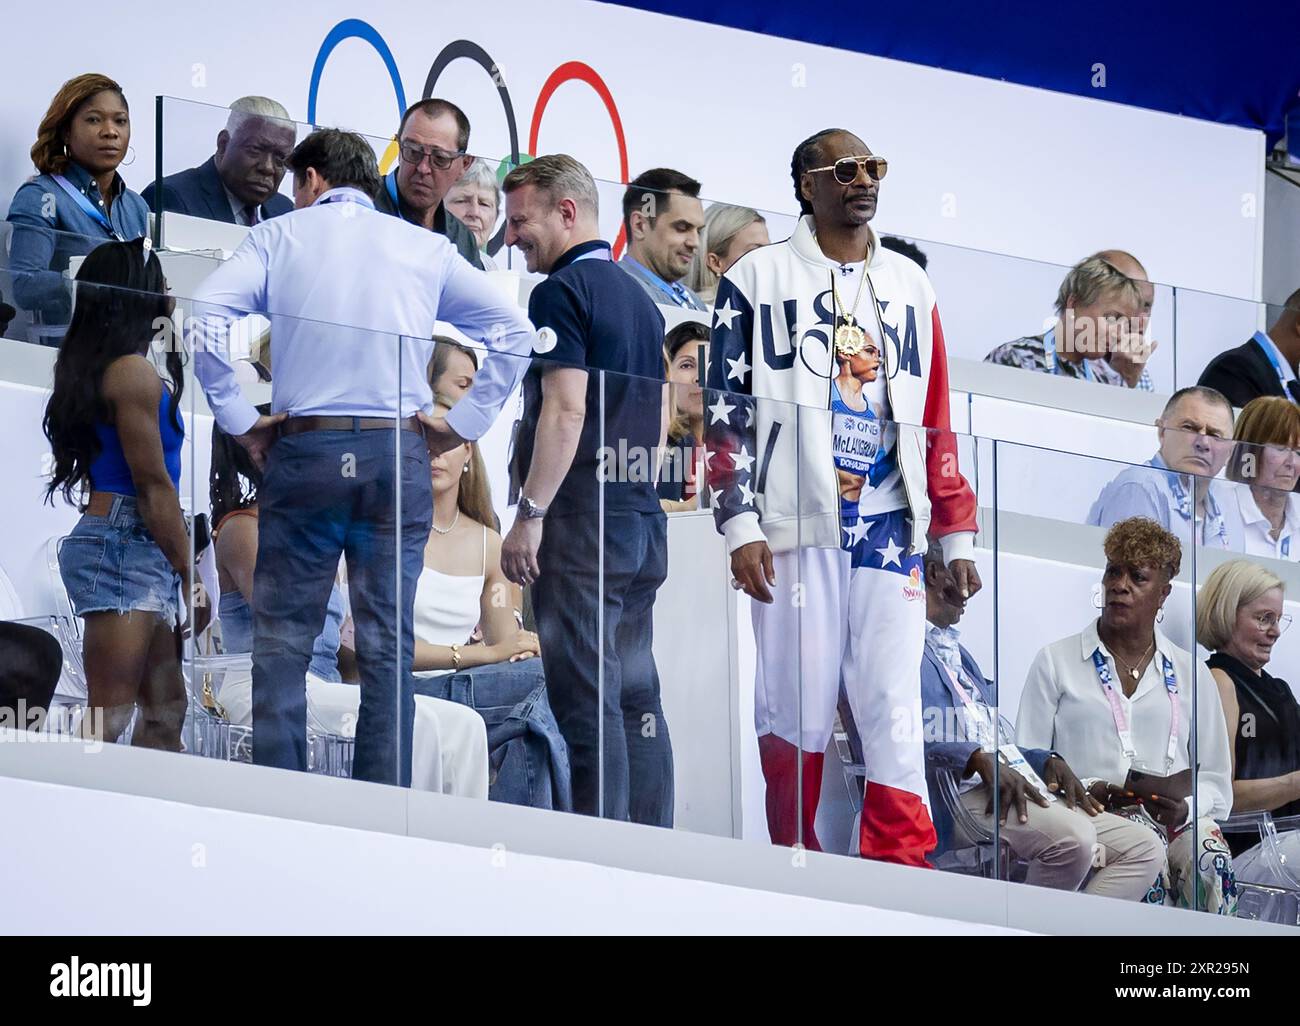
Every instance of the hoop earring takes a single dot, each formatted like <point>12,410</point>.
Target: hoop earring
<point>130,152</point>
<point>1096,596</point>
<point>1160,615</point>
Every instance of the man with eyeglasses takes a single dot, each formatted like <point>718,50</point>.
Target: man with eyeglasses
<point>240,183</point>
<point>1176,487</point>
<point>827,364</point>
<point>432,154</point>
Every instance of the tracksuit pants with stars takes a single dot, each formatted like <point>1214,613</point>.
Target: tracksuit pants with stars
<point>856,613</point>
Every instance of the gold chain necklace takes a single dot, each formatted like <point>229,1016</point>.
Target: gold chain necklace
<point>1133,671</point>
<point>850,339</point>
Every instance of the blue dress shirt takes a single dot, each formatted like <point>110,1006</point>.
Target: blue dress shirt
<point>1168,499</point>
<point>352,296</point>
<point>668,293</point>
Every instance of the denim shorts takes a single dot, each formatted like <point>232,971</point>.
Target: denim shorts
<point>112,564</point>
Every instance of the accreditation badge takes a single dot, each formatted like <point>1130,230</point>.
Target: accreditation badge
<point>1016,760</point>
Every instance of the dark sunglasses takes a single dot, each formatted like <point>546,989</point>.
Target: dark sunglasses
<point>439,159</point>
<point>846,168</point>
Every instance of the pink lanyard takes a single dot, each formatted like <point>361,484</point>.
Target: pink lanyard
<point>986,734</point>
<point>1122,727</point>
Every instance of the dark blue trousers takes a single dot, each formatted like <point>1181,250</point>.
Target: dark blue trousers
<point>612,721</point>
<point>326,493</point>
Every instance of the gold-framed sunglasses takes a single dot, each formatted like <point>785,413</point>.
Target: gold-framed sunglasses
<point>846,168</point>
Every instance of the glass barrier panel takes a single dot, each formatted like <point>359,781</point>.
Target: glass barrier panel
<point>1048,477</point>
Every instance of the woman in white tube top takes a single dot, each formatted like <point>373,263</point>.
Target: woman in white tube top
<point>449,752</point>
<point>462,586</point>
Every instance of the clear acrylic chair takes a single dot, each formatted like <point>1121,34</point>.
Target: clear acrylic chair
<point>1268,882</point>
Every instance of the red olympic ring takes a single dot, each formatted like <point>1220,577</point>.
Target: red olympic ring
<point>576,70</point>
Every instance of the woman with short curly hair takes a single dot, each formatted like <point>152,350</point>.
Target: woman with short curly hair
<point>77,199</point>
<point>1116,700</point>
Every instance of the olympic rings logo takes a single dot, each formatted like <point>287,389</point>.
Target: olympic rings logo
<point>570,71</point>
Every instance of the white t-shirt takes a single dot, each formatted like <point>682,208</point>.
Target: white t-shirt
<point>864,439</point>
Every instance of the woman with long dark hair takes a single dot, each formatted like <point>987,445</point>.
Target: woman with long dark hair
<point>679,475</point>
<point>77,199</point>
<point>116,432</point>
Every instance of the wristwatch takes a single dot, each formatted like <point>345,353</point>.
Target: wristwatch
<point>529,510</point>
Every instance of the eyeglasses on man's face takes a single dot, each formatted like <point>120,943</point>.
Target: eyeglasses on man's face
<point>438,159</point>
<point>846,168</point>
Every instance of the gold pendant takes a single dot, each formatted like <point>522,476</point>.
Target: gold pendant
<point>1133,673</point>
<point>850,339</point>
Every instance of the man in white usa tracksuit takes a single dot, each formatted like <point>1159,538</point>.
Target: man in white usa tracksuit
<point>827,368</point>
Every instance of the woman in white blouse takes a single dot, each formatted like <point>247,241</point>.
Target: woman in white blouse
<point>1265,510</point>
<point>1118,696</point>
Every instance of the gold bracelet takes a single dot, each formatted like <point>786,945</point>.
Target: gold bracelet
<point>455,657</point>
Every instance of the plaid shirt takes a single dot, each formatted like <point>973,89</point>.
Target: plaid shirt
<point>1030,353</point>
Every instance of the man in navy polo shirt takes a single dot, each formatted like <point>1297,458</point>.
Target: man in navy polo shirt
<point>589,535</point>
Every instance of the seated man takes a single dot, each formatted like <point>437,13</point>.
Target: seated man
<point>1263,365</point>
<point>1101,313</point>
<point>1065,838</point>
<point>1194,432</point>
<point>239,184</point>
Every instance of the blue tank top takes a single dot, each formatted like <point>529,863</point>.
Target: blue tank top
<point>237,632</point>
<point>110,471</point>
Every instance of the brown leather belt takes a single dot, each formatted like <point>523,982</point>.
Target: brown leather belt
<point>297,425</point>
<point>100,504</point>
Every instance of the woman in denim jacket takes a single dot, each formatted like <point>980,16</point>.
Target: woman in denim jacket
<point>76,201</point>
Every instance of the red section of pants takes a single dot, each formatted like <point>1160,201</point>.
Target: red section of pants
<point>896,826</point>
<point>780,761</point>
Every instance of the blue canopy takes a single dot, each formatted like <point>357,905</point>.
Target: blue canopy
<point>1234,63</point>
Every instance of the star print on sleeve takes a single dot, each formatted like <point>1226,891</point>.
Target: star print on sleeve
<point>721,411</point>
<point>725,314</point>
<point>742,460</point>
<point>730,426</point>
<point>740,368</point>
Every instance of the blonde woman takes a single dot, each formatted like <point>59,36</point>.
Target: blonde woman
<point>1239,618</point>
<point>729,233</point>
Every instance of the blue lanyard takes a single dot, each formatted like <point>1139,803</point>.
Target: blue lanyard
<point>390,183</point>
<point>1053,364</point>
<point>87,207</point>
<point>1270,351</point>
<point>1185,510</point>
<point>674,297</point>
